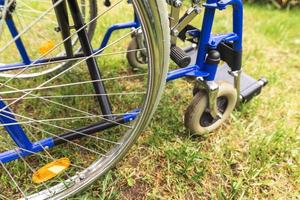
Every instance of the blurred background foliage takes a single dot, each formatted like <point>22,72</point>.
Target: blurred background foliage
<point>281,4</point>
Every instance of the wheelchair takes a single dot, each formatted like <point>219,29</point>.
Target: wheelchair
<point>78,84</point>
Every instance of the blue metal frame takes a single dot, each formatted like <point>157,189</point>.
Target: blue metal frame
<point>20,46</point>
<point>115,27</point>
<point>207,41</point>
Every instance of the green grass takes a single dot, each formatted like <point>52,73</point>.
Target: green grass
<point>255,155</point>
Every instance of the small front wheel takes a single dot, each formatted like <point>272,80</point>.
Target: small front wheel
<point>197,116</point>
<point>136,56</point>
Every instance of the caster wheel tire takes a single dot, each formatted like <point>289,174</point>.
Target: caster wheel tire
<point>136,59</point>
<point>197,116</point>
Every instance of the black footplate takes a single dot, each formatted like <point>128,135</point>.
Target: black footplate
<point>249,87</point>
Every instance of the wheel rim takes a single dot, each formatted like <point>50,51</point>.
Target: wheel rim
<point>207,119</point>
<point>155,79</point>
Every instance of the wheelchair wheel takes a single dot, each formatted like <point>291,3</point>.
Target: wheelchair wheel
<point>58,133</point>
<point>197,116</point>
<point>23,8</point>
<point>136,56</point>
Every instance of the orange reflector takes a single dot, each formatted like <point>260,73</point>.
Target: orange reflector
<point>47,46</point>
<point>51,170</point>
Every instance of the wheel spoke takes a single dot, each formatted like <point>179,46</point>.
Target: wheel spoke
<point>69,84</point>
<point>30,26</point>
<point>78,95</point>
<point>40,65</point>
<point>12,178</point>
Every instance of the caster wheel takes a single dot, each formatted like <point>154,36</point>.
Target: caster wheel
<point>196,90</point>
<point>137,59</point>
<point>197,116</point>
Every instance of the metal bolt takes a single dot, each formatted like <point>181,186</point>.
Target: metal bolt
<point>177,3</point>
<point>175,32</point>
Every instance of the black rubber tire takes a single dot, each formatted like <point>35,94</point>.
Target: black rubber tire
<point>197,117</point>
<point>93,11</point>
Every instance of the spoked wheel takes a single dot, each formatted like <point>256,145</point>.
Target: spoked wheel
<point>198,118</point>
<point>70,141</point>
<point>26,11</point>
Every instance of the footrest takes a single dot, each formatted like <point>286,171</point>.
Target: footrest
<point>249,87</point>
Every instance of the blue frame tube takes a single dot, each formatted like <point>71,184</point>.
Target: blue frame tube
<point>20,46</point>
<point>238,16</point>
<point>211,69</point>
<point>204,39</point>
<point>114,28</point>
<point>192,71</point>
<point>17,153</point>
<point>205,34</point>
<point>15,130</point>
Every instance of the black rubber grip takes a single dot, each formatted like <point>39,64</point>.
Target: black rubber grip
<point>180,57</point>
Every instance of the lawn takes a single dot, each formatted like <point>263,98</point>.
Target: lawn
<point>253,156</point>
